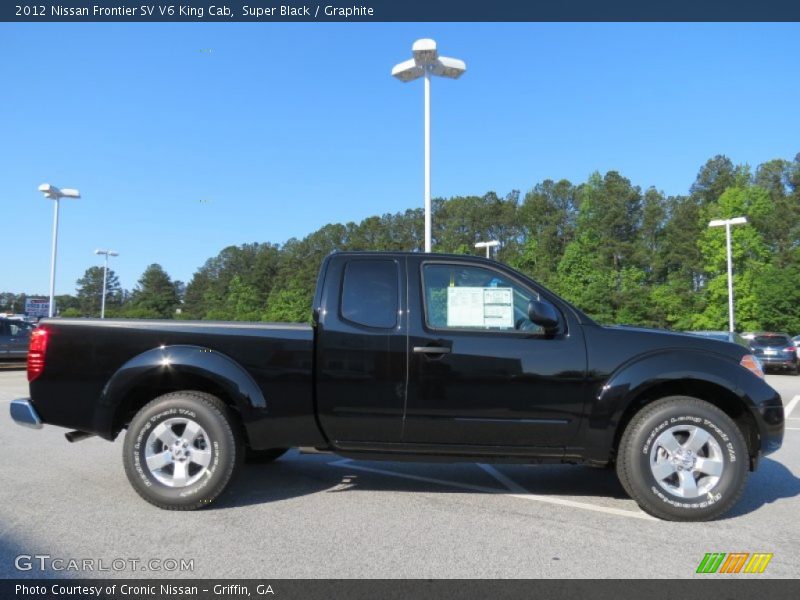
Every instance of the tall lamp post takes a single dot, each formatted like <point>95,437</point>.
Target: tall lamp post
<point>53,193</point>
<point>727,224</point>
<point>107,253</point>
<point>427,62</point>
<point>488,246</point>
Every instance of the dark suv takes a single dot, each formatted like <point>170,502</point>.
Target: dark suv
<point>775,351</point>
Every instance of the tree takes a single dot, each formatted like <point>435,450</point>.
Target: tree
<point>716,176</point>
<point>155,295</point>
<point>546,221</point>
<point>244,301</point>
<point>90,291</point>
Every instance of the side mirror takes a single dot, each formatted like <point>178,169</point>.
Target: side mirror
<point>543,314</point>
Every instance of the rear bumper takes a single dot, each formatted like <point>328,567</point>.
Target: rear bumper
<point>24,414</point>
<point>788,362</point>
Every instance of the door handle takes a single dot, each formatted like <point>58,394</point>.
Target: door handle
<point>431,350</point>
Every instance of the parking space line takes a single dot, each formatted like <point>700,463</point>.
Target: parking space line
<point>349,464</point>
<point>512,485</point>
<point>524,494</point>
<point>790,407</point>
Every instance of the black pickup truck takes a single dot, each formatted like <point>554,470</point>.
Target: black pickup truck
<point>415,357</point>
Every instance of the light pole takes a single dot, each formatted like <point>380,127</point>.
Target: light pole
<point>427,62</point>
<point>53,193</point>
<point>107,253</point>
<point>488,246</point>
<point>727,224</point>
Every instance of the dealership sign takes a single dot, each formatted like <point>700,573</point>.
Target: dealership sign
<point>37,307</point>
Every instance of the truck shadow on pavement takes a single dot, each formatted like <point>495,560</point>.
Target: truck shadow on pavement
<point>296,475</point>
<point>770,483</point>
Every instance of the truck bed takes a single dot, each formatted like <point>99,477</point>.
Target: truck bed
<point>93,362</point>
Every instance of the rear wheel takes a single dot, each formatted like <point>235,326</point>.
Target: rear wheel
<point>683,459</point>
<point>181,450</point>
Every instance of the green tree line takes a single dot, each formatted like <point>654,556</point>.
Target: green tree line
<point>621,253</point>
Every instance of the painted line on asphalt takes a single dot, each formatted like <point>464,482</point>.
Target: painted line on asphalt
<point>793,428</point>
<point>349,464</point>
<point>790,407</point>
<point>524,494</point>
<point>512,485</point>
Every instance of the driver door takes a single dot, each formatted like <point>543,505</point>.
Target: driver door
<point>480,373</point>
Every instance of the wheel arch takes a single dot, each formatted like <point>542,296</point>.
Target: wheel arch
<point>713,378</point>
<point>176,368</point>
<point>711,392</point>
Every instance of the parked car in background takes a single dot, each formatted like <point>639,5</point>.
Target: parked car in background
<point>776,351</point>
<point>14,337</point>
<point>796,342</point>
<point>725,336</point>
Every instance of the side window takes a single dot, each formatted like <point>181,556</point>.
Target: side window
<point>3,328</point>
<point>369,293</point>
<point>470,297</point>
<point>19,329</point>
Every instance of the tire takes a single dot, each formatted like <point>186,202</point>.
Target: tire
<point>683,459</point>
<point>264,456</point>
<point>195,467</point>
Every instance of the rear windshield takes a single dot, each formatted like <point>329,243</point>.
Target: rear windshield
<point>771,340</point>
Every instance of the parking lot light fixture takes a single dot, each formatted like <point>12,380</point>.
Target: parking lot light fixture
<point>726,223</point>
<point>107,253</point>
<point>488,245</point>
<point>426,62</point>
<point>51,192</point>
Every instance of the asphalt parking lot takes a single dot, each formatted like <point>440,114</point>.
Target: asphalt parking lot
<point>322,516</point>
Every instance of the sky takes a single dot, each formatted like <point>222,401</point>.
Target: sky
<point>187,138</point>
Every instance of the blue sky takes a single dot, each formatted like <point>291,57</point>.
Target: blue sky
<point>186,138</point>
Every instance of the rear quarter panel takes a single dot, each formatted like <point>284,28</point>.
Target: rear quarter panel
<point>84,354</point>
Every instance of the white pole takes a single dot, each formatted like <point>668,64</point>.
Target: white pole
<point>487,251</point>
<point>51,309</point>
<point>103,304</point>
<point>730,277</point>
<point>427,160</point>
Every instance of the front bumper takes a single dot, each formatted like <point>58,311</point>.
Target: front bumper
<point>24,414</point>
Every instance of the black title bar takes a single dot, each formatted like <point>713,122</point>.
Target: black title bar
<point>728,587</point>
<point>400,10</point>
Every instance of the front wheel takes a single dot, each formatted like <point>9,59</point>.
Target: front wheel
<point>181,450</point>
<point>683,459</point>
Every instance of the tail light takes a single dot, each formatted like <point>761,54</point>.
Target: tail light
<point>36,352</point>
<point>790,349</point>
<point>751,363</point>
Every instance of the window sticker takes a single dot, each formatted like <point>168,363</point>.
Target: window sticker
<point>480,307</point>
